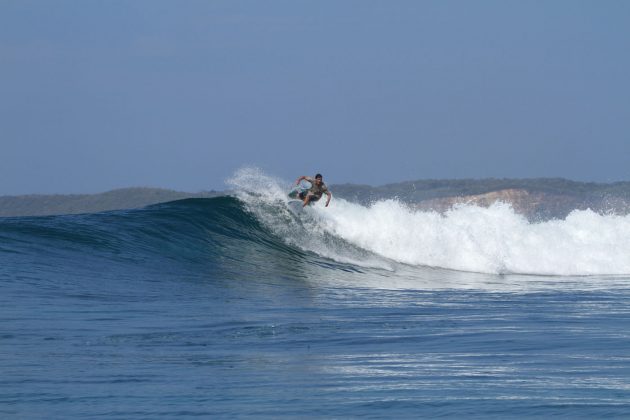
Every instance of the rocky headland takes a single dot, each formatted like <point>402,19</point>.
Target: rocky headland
<point>536,199</point>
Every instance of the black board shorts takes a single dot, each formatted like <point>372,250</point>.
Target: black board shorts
<point>303,194</point>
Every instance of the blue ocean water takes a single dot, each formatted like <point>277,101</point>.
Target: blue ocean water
<point>240,306</point>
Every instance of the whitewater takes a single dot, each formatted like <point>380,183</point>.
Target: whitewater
<point>493,240</point>
<point>246,306</point>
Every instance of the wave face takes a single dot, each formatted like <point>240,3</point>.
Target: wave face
<point>260,232</point>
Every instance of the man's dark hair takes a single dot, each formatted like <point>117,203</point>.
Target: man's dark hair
<point>318,176</point>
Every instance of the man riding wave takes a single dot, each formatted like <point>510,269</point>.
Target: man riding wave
<point>318,188</point>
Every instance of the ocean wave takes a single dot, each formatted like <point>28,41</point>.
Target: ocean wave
<point>493,240</point>
<point>257,232</point>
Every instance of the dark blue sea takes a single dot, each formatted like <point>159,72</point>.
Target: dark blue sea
<point>246,306</point>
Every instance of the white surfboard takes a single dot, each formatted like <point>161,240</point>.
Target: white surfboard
<point>296,206</point>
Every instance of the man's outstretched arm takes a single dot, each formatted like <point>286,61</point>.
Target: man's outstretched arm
<point>303,177</point>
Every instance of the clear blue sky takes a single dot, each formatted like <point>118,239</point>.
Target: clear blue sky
<point>96,95</point>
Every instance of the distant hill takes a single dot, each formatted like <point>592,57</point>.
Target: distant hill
<point>124,198</point>
<point>540,198</point>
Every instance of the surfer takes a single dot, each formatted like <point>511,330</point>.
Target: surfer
<point>315,192</point>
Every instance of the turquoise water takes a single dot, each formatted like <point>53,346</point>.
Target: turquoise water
<point>206,308</point>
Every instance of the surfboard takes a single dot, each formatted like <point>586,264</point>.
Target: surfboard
<point>295,205</point>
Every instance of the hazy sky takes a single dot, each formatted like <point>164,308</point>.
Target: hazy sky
<point>96,95</point>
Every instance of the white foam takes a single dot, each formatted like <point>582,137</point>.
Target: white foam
<point>468,238</point>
